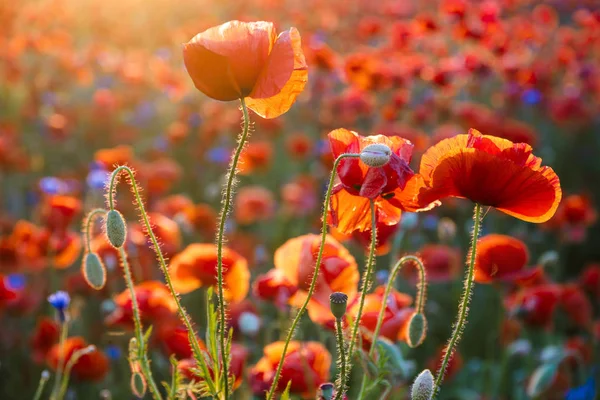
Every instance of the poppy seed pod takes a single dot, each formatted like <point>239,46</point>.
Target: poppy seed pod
<point>376,155</point>
<point>338,302</point>
<point>116,230</point>
<point>417,330</point>
<point>422,388</point>
<point>94,271</point>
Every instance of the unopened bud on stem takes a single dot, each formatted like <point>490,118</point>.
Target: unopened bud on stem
<point>338,302</point>
<point>422,389</point>
<point>376,155</point>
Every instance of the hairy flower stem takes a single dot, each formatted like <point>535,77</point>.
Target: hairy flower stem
<point>88,226</point>
<point>64,332</point>
<point>341,383</point>
<point>198,354</point>
<point>366,285</point>
<point>225,208</point>
<point>313,282</point>
<point>463,309</point>
<point>421,293</point>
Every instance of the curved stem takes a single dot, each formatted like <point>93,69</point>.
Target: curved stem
<point>64,331</point>
<point>137,323</point>
<point>72,361</point>
<point>463,309</point>
<point>88,223</point>
<point>366,281</point>
<point>225,207</point>
<point>421,293</point>
<point>199,357</point>
<point>313,282</point>
<point>341,384</point>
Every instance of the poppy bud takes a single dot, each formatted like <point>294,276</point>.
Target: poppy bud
<point>376,155</point>
<point>541,379</point>
<point>422,388</point>
<point>116,230</point>
<point>417,329</point>
<point>94,271</point>
<point>338,302</point>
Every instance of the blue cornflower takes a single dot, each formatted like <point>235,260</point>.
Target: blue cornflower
<point>16,281</point>
<point>531,96</point>
<point>60,300</point>
<point>587,391</point>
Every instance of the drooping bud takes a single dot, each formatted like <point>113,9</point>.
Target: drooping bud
<point>338,302</point>
<point>376,155</point>
<point>94,271</point>
<point>541,379</point>
<point>417,330</point>
<point>116,230</point>
<point>422,388</point>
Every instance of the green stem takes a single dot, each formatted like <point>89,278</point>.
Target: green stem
<point>341,384</point>
<point>313,282</point>
<point>198,355</point>
<point>88,223</point>
<point>225,208</point>
<point>137,322</point>
<point>72,361</point>
<point>463,309</point>
<point>421,293</point>
<point>64,331</point>
<point>366,283</point>
<point>41,385</point>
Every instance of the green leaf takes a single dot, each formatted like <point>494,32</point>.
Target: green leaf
<point>286,393</point>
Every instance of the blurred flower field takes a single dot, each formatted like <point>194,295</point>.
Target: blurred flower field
<point>332,199</point>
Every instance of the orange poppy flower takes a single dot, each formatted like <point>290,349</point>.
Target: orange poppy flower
<point>119,155</point>
<point>385,234</point>
<point>248,60</point>
<point>154,301</point>
<point>44,337</point>
<point>499,257</point>
<point>338,273</point>
<point>59,211</point>
<point>253,204</point>
<point>306,365</point>
<point>175,340</point>
<point>196,266</point>
<point>395,318</point>
<point>256,156</point>
<point>392,187</point>
<point>274,286</point>
<point>90,367</point>
<point>492,172</point>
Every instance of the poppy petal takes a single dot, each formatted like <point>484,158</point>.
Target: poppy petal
<point>283,78</point>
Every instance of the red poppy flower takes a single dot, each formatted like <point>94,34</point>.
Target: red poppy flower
<point>590,279</point>
<point>574,215</point>
<point>59,211</point>
<point>44,337</point>
<point>338,273</point>
<point>175,340</point>
<point>536,305</point>
<point>196,266</point>
<point>395,318</point>
<point>239,355</point>
<point>442,263</point>
<point>392,187</point>
<point>248,60</point>
<point>492,172</point>
<point>92,366</point>
<point>253,204</point>
<point>385,234</point>
<point>154,301</point>
<point>6,293</point>
<point>306,365</point>
<point>499,258</point>
<point>274,286</point>
<point>577,306</point>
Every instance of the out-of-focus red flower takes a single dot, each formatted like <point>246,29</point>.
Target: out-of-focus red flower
<point>510,330</point>
<point>196,266</point>
<point>239,355</point>
<point>44,337</point>
<point>392,187</point>
<point>492,172</point>
<point>6,293</point>
<point>119,155</point>
<point>299,197</point>
<point>306,365</point>
<point>590,279</point>
<point>395,318</point>
<point>442,263</point>
<point>454,365</point>
<point>338,273</point>
<point>274,286</point>
<point>58,211</point>
<point>253,204</point>
<point>579,349</point>
<point>536,305</point>
<point>257,156</point>
<point>166,230</point>
<point>321,56</point>
<point>577,306</point>
<point>299,145</point>
<point>248,60</point>
<point>154,301</point>
<point>159,175</point>
<point>175,340</point>
<point>499,258</point>
<point>92,366</point>
<point>574,215</point>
